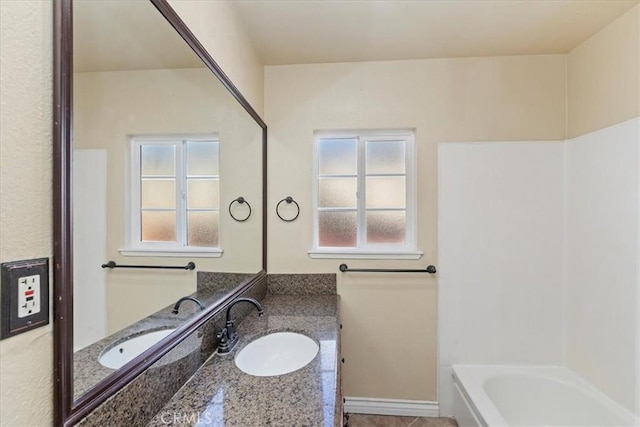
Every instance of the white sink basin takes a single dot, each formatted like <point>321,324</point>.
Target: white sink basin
<point>123,352</point>
<point>276,354</point>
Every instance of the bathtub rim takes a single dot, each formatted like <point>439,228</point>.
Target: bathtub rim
<point>467,384</point>
<point>470,379</point>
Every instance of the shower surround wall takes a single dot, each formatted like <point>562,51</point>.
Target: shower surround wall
<point>602,261</point>
<point>500,222</point>
<point>600,292</point>
<point>539,257</point>
<point>603,158</point>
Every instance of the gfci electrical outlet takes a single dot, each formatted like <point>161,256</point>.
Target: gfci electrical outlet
<point>28,295</point>
<point>25,296</point>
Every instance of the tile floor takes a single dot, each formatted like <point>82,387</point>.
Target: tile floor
<point>362,420</point>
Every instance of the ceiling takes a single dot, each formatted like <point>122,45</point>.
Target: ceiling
<point>126,35</point>
<point>131,34</point>
<point>317,31</point>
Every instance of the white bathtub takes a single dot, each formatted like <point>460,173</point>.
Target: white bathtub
<point>492,396</point>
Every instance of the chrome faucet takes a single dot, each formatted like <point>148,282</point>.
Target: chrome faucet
<point>228,337</point>
<point>183,299</point>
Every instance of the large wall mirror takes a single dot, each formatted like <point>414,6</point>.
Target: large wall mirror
<point>160,162</point>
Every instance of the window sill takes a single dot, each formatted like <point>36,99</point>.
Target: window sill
<point>191,253</point>
<point>337,254</point>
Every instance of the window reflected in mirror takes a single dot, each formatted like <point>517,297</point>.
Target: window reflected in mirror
<point>175,192</point>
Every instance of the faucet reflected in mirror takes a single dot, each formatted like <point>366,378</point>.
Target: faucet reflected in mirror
<point>183,299</point>
<point>228,336</point>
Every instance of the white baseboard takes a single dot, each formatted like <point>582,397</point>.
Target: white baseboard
<point>411,408</point>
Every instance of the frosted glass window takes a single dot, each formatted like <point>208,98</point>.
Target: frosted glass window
<point>174,202</point>
<point>386,227</point>
<point>364,194</point>
<point>203,229</point>
<point>203,194</point>
<point>158,226</point>
<point>158,194</point>
<point>202,158</point>
<point>337,157</point>
<point>386,192</point>
<point>338,192</point>
<point>385,157</point>
<point>338,229</point>
<point>158,160</point>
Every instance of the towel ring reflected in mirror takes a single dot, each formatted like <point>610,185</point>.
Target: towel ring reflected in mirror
<point>240,201</point>
<point>289,200</point>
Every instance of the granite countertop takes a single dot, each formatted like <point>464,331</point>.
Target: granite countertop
<point>87,370</point>
<point>220,394</point>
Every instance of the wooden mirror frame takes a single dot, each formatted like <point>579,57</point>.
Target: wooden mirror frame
<point>68,412</point>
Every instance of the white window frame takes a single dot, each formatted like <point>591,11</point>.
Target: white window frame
<point>135,247</point>
<point>372,251</point>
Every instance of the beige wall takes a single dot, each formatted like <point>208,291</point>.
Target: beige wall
<point>109,107</point>
<point>218,28</point>
<point>475,99</point>
<point>604,88</point>
<point>25,197</point>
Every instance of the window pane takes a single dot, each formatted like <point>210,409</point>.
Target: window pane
<point>203,229</point>
<point>158,194</point>
<point>337,229</point>
<point>386,227</point>
<point>337,192</point>
<point>386,192</point>
<point>385,157</point>
<point>158,160</point>
<point>202,158</point>
<point>337,157</point>
<point>158,226</point>
<point>203,193</point>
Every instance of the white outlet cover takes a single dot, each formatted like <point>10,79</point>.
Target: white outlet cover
<point>28,295</point>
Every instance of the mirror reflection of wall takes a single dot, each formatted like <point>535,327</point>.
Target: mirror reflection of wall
<point>137,82</point>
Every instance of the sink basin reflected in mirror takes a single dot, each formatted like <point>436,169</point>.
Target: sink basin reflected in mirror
<point>121,353</point>
<point>276,354</point>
